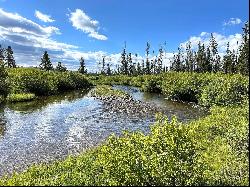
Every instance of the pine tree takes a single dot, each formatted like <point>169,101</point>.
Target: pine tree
<point>9,58</point>
<point>2,52</point>
<point>124,62</point>
<point>60,67</point>
<point>138,69</point>
<point>228,60</point>
<point>177,64</point>
<point>82,69</point>
<point>208,59</point>
<point>215,56</point>
<point>130,64</point>
<point>147,59</point>
<point>3,76</point>
<point>243,61</point>
<point>189,58</point>
<point>108,69</point>
<point>160,61</point>
<point>45,62</point>
<point>200,58</point>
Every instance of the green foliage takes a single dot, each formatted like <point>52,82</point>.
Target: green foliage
<point>3,82</point>
<point>20,97</point>
<point>105,90</point>
<point>60,67</point>
<point>210,151</point>
<point>31,80</point>
<point>10,61</point>
<point>82,69</point>
<point>204,88</point>
<point>45,62</point>
<point>225,90</point>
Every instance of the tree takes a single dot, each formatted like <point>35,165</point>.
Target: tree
<point>3,83</point>
<point>216,65</point>
<point>124,62</point>
<point>228,60</point>
<point>159,61</point>
<point>60,67</point>
<point>108,69</point>
<point>45,62</point>
<point>200,58</point>
<point>189,60</point>
<point>177,64</point>
<point>2,51</point>
<point>9,58</point>
<point>82,69</point>
<point>148,68</point>
<point>243,60</point>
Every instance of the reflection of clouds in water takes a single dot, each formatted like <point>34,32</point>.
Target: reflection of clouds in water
<point>16,120</point>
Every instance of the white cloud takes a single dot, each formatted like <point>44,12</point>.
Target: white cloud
<point>83,22</point>
<point>222,40</point>
<point>43,17</point>
<point>232,21</point>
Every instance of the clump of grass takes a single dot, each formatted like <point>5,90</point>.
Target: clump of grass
<point>105,90</point>
<point>20,97</point>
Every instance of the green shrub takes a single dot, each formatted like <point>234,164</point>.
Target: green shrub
<point>25,80</point>
<point>20,97</point>
<point>204,88</point>
<point>105,90</point>
<point>210,151</point>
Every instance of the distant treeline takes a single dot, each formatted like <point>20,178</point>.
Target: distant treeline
<point>205,59</point>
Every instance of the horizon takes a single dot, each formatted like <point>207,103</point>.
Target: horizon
<point>93,29</point>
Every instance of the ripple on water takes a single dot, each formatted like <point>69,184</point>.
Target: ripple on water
<point>57,126</point>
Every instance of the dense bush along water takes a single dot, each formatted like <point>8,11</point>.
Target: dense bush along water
<point>53,127</point>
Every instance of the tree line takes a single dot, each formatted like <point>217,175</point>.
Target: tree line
<point>205,59</point>
<point>7,60</point>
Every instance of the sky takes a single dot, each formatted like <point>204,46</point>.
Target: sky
<point>70,29</point>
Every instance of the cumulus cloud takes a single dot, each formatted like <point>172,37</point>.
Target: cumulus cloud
<point>222,40</point>
<point>43,17</point>
<point>232,21</point>
<point>83,22</point>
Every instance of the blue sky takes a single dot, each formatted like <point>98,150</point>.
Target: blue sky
<point>92,28</point>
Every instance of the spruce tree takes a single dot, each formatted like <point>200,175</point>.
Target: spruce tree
<point>45,62</point>
<point>3,76</point>
<point>160,61</point>
<point>124,62</point>
<point>108,69</point>
<point>243,61</point>
<point>82,69</point>
<point>147,59</point>
<point>177,64</point>
<point>215,56</point>
<point>2,52</point>
<point>9,58</point>
<point>208,61</point>
<point>138,69</point>
<point>228,60</point>
<point>189,58</point>
<point>200,58</point>
<point>60,67</point>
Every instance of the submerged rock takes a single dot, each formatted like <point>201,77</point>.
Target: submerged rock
<point>128,105</point>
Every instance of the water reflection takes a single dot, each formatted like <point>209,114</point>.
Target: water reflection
<point>53,127</point>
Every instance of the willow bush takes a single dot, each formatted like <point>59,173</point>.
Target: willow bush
<point>203,88</point>
<point>40,82</point>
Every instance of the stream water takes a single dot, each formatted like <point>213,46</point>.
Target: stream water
<point>53,127</point>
